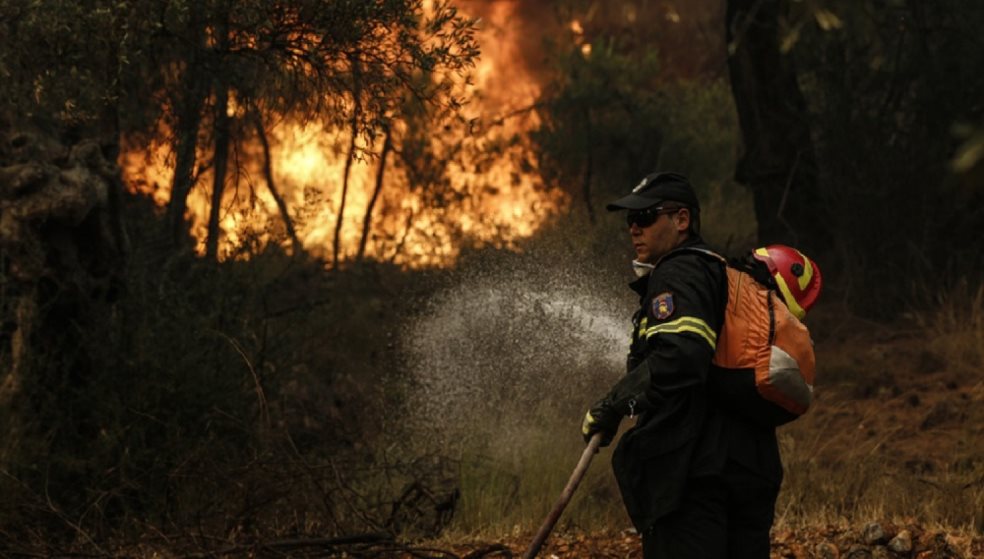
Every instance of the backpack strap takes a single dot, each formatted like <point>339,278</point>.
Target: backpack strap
<point>704,251</point>
<point>757,270</point>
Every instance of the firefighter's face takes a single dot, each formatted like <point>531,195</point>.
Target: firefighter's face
<point>665,233</point>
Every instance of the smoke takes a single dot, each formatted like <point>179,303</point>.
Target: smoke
<point>527,28</point>
<point>688,35</point>
<point>509,349</point>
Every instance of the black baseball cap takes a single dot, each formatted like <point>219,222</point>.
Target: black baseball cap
<point>657,188</point>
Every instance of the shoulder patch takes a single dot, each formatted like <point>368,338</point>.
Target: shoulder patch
<point>663,305</point>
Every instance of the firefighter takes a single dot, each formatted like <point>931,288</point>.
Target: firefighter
<point>696,480</point>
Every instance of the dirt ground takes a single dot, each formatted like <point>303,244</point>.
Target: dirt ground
<point>820,543</point>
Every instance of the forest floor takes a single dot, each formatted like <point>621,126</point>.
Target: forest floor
<point>816,543</point>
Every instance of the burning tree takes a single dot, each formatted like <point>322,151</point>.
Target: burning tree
<point>207,81</point>
<point>343,65</point>
<point>327,127</point>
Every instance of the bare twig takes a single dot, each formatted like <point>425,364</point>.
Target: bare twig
<point>326,501</point>
<point>343,488</point>
<point>258,386</point>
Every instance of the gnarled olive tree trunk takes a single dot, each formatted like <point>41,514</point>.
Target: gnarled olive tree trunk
<point>61,248</point>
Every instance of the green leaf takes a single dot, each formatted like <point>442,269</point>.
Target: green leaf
<point>969,154</point>
<point>827,20</point>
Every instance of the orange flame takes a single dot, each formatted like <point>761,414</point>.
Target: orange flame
<point>496,195</point>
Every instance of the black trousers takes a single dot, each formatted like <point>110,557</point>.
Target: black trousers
<point>721,517</point>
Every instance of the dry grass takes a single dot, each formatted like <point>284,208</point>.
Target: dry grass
<point>512,491</point>
<point>898,430</point>
<point>956,328</point>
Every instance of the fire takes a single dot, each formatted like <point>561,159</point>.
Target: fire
<point>577,30</point>
<point>495,196</point>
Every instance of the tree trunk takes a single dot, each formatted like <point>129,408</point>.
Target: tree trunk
<point>220,154</point>
<point>380,173</point>
<point>60,258</point>
<point>186,147</point>
<point>268,175</point>
<point>356,110</point>
<point>189,102</point>
<point>111,137</point>
<point>778,161</point>
<point>221,162</point>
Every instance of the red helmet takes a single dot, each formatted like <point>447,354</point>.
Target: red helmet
<point>797,277</point>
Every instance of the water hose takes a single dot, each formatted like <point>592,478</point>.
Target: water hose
<point>565,496</point>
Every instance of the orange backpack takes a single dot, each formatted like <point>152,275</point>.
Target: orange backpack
<point>763,365</point>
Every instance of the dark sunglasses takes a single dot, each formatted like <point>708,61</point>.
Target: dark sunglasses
<point>645,218</point>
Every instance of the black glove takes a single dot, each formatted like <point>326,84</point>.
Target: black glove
<point>627,397</point>
<point>601,418</point>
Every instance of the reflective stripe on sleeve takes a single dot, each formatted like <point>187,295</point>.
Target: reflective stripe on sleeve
<point>690,324</point>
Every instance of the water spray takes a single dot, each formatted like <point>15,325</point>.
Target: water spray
<point>503,361</point>
<point>523,345</point>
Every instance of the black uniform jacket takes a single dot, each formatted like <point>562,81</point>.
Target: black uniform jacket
<point>681,432</point>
